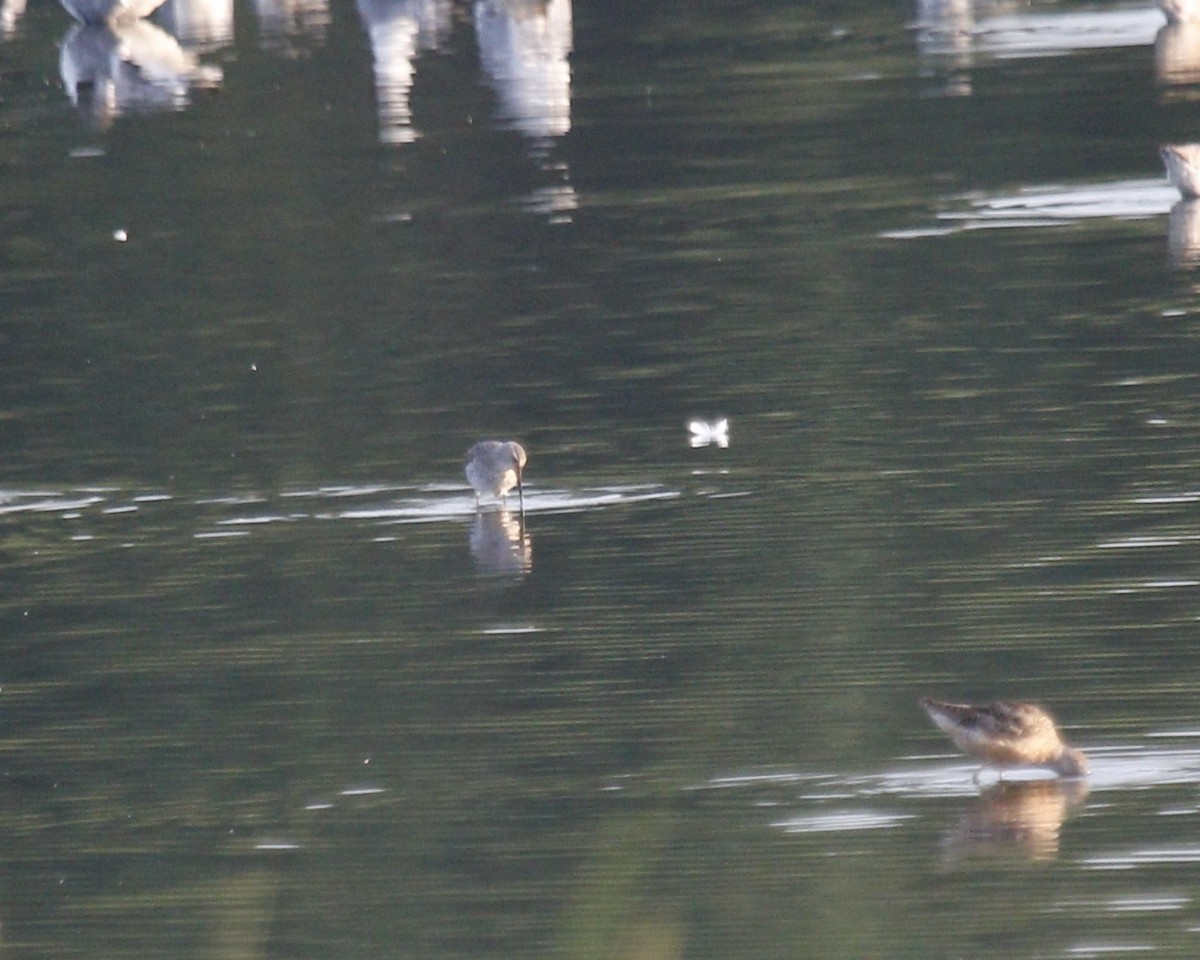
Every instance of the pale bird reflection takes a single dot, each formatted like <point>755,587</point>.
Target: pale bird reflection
<point>107,11</point>
<point>951,34</point>
<point>203,24</point>
<point>499,544</point>
<point>283,24</point>
<point>126,66</point>
<point>943,34</point>
<point>1177,54</point>
<point>398,31</point>
<point>523,48</point>
<point>1014,819</point>
<point>10,16</point>
<point>1183,235</point>
<point>557,200</point>
<point>1007,734</point>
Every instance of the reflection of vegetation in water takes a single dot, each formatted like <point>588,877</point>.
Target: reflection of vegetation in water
<point>617,906</point>
<point>227,918</point>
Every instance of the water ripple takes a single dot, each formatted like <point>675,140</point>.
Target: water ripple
<point>840,821</point>
<point>1047,206</point>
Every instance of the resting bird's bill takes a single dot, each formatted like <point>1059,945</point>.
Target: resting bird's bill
<point>1005,734</point>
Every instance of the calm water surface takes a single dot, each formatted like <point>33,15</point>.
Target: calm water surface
<point>271,687</point>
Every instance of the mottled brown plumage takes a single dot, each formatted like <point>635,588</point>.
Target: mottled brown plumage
<point>1005,734</point>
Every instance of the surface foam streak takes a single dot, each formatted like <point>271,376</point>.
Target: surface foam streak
<point>1140,543</point>
<point>1141,858</point>
<point>841,821</point>
<point>1166,498</point>
<point>1154,585</point>
<point>50,504</point>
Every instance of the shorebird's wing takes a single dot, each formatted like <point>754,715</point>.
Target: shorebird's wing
<point>1015,721</point>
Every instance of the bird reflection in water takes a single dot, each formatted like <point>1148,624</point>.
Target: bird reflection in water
<point>500,545</point>
<point>524,47</point>
<point>1014,819</point>
<point>128,65</point>
<point>1182,162</point>
<point>1177,54</point>
<point>288,27</point>
<point>1183,235</point>
<point>10,16</point>
<point>199,24</point>
<point>98,12</point>
<point>943,35</point>
<point>399,30</point>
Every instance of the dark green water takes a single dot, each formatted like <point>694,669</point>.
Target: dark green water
<point>270,688</point>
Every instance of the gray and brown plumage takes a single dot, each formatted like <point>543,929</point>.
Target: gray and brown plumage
<point>496,466</point>
<point>1182,161</point>
<point>1005,734</point>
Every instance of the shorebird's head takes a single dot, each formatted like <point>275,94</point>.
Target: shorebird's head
<point>519,458</point>
<point>1071,763</point>
<point>518,454</point>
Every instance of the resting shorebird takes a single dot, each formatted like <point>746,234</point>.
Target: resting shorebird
<point>1005,734</point>
<point>494,467</point>
<point>1182,161</point>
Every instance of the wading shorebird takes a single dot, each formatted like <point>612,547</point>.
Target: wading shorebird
<point>1005,734</point>
<point>494,467</point>
<point>1182,161</point>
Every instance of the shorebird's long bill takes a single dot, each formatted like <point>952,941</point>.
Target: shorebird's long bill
<point>521,492</point>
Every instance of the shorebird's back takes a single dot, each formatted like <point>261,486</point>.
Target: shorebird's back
<point>494,466</point>
<point>1006,733</point>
